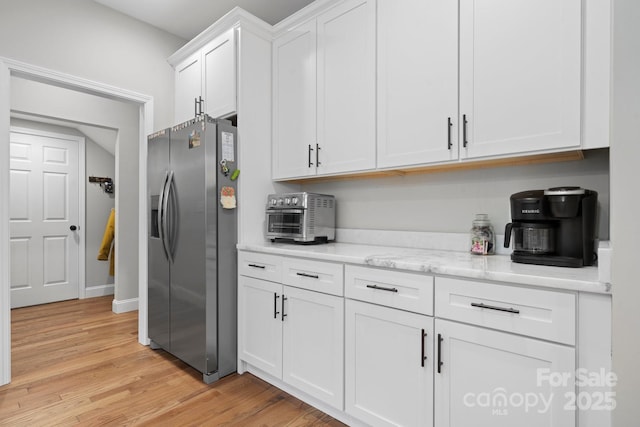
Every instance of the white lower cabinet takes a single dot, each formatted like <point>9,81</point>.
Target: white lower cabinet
<point>295,335</point>
<point>491,378</point>
<point>410,349</point>
<point>259,324</point>
<point>388,365</point>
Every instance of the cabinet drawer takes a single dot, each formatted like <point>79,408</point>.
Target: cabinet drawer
<point>317,276</point>
<point>260,266</point>
<point>538,313</point>
<point>406,291</point>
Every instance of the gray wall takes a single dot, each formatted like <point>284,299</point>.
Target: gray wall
<point>88,40</point>
<point>448,201</point>
<point>85,39</point>
<point>49,101</point>
<point>625,225</point>
<point>98,162</point>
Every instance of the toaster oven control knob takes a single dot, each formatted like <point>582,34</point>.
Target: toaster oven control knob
<point>274,202</point>
<point>294,201</point>
<point>287,201</point>
<point>280,202</point>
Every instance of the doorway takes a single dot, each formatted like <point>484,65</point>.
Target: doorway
<point>46,225</point>
<point>144,106</point>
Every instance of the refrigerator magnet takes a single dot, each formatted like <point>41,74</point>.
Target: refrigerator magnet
<point>228,151</point>
<point>194,139</point>
<point>228,198</point>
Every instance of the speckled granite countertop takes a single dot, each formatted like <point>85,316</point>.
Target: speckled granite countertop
<point>495,267</point>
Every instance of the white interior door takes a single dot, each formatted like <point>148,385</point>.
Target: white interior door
<point>44,195</point>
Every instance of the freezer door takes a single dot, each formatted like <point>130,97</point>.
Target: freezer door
<point>187,216</point>
<point>158,264</point>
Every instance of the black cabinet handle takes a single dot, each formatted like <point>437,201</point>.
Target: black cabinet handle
<point>449,143</point>
<point>257,266</point>
<point>275,305</point>
<point>283,314</point>
<point>309,156</point>
<point>382,288</point>
<point>493,307</point>
<point>195,107</point>
<point>464,130</point>
<point>439,352</point>
<point>423,335</point>
<point>317,155</point>
<point>313,276</point>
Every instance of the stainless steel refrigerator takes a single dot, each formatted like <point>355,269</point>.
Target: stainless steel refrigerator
<point>192,244</point>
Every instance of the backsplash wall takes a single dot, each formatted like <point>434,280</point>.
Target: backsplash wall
<point>448,201</point>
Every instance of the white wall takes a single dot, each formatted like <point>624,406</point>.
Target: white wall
<point>98,162</point>
<point>625,205</point>
<point>448,201</point>
<point>86,39</point>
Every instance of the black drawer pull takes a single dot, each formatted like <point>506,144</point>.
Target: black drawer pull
<point>313,276</point>
<point>439,363</point>
<point>382,288</point>
<point>283,315</point>
<point>423,357</point>
<point>492,307</point>
<point>257,266</point>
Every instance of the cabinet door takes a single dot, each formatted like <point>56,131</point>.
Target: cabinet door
<point>490,378</point>
<point>387,381</point>
<point>417,82</point>
<point>346,87</point>
<point>188,82</point>
<point>219,75</point>
<point>259,324</point>
<point>294,103</point>
<point>313,344</point>
<point>519,75</point>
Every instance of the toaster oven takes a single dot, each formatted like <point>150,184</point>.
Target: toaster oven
<point>301,217</point>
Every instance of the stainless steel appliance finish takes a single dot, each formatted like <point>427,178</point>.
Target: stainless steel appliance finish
<point>192,246</point>
<point>301,217</point>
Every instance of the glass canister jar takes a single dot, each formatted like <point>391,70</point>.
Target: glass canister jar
<point>483,239</point>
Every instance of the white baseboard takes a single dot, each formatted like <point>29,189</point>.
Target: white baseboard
<point>124,306</point>
<point>99,291</point>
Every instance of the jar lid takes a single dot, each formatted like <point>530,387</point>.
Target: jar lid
<point>481,219</point>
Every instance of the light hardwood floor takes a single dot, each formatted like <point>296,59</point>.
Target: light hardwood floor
<point>78,363</point>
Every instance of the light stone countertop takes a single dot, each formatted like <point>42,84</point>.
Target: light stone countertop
<point>498,268</point>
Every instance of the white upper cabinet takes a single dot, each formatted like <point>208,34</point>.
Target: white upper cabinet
<point>346,87</point>
<point>188,81</point>
<point>219,75</point>
<point>417,82</point>
<point>520,76</point>
<point>208,74</point>
<point>324,93</point>
<point>294,102</point>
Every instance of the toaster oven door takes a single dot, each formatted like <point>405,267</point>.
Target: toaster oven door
<point>286,223</point>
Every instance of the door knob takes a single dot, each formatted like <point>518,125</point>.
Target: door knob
<point>73,228</point>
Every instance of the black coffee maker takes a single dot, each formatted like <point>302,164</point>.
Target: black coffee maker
<point>553,227</point>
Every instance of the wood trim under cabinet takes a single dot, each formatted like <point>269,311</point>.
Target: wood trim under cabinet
<point>564,156</point>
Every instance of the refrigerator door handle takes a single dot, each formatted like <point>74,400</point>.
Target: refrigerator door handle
<point>165,206</point>
<point>161,212</point>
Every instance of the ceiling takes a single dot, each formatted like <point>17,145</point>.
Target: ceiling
<point>103,136</point>
<point>188,18</point>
